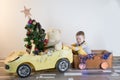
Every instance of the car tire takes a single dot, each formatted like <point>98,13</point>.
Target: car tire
<point>104,65</point>
<point>82,66</point>
<point>23,70</point>
<point>62,65</point>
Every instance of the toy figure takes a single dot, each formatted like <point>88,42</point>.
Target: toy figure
<point>54,39</point>
<point>81,48</point>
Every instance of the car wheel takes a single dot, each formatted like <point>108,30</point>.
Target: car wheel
<point>24,70</point>
<point>82,66</point>
<point>104,65</point>
<point>62,65</point>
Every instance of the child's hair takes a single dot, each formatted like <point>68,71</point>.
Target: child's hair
<point>80,33</point>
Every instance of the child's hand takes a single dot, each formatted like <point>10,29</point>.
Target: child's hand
<point>76,48</point>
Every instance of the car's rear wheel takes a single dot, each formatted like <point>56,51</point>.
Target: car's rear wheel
<point>62,65</point>
<point>23,70</point>
<point>104,65</point>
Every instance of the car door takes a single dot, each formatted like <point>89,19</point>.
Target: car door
<point>49,60</point>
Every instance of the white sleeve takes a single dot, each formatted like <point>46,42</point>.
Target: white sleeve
<point>86,49</point>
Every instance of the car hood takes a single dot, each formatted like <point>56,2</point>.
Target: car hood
<point>14,55</point>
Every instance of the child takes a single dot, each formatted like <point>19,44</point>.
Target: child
<point>81,47</point>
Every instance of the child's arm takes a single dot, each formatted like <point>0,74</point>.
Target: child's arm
<point>80,50</point>
<point>74,48</point>
<point>87,49</point>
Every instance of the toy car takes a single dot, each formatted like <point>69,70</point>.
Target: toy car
<point>23,63</point>
<point>102,59</point>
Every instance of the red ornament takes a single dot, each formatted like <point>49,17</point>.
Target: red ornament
<point>28,33</point>
<point>36,49</point>
<point>45,41</point>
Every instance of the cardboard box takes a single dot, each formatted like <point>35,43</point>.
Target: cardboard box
<point>94,63</point>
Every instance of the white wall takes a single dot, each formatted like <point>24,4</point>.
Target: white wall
<point>98,18</point>
<point>12,22</point>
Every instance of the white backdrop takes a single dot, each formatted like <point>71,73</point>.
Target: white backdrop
<point>99,19</point>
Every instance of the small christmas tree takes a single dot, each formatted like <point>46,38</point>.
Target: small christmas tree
<point>36,33</point>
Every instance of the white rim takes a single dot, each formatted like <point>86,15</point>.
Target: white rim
<point>63,66</point>
<point>24,71</point>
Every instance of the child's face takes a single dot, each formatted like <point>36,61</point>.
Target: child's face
<point>80,39</point>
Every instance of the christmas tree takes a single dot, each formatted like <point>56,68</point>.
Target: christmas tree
<point>36,33</point>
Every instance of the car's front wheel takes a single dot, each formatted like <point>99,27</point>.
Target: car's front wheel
<point>62,65</point>
<point>23,70</point>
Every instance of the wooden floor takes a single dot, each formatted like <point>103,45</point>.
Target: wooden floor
<point>71,74</point>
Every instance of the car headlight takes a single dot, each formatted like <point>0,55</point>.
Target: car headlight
<point>7,67</point>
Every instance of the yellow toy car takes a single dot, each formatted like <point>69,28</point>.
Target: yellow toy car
<point>23,63</point>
